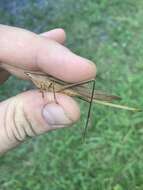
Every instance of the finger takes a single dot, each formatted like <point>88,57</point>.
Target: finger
<point>57,35</point>
<point>22,117</point>
<point>32,52</point>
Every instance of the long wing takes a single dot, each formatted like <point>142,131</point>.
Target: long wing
<point>81,91</point>
<point>85,92</point>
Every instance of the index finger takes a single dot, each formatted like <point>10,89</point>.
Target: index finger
<point>25,50</point>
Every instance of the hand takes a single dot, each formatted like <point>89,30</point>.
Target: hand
<point>28,114</point>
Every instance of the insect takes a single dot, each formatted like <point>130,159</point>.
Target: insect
<point>81,90</point>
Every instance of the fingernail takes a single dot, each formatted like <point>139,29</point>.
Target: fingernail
<point>55,115</point>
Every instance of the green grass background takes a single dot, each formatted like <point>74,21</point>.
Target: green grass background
<point>110,33</point>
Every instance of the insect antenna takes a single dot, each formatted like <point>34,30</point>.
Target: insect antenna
<point>89,110</point>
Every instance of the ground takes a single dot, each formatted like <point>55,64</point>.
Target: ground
<point>110,33</point>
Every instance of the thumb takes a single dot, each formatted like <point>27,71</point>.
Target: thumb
<point>28,115</point>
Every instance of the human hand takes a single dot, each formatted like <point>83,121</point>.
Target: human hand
<point>28,114</point>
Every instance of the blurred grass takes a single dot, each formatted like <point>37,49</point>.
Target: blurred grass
<point>111,34</point>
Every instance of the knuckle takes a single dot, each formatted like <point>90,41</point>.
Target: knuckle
<point>17,125</point>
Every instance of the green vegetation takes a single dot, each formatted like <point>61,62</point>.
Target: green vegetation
<point>111,34</point>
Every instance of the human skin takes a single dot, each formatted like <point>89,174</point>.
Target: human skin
<point>28,114</point>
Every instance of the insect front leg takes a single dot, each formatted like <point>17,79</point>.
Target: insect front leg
<point>41,89</point>
<point>53,85</point>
